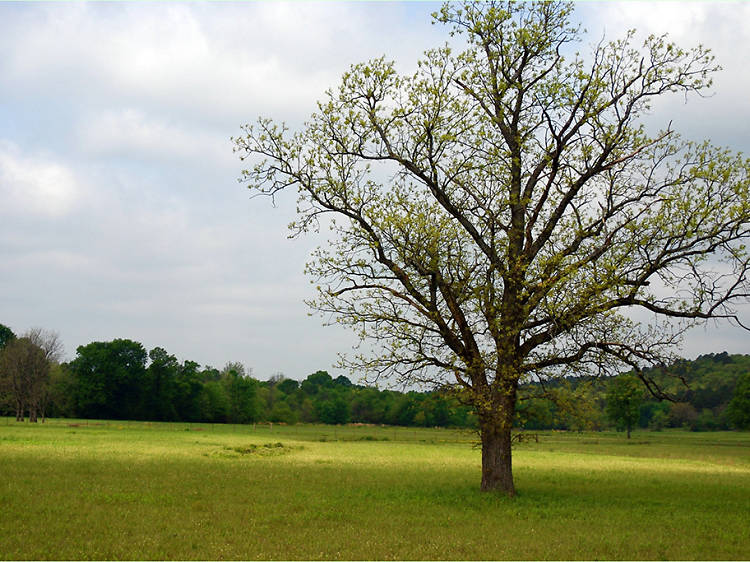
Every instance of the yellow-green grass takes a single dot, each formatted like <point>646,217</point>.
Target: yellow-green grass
<point>69,490</point>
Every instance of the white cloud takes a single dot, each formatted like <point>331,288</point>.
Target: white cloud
<point>51,260</point>
<point>210,61</point>
<point>35,184</point>
<point>118,200</point>
<point>721,27</point>
<point>130,133</point>
<point>679,18</point>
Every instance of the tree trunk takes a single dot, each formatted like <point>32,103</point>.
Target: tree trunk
<point>496,409</point>
<point>495,429</point>
<point>497,469</point>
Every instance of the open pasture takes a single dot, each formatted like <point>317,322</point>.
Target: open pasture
<point>126,490</point>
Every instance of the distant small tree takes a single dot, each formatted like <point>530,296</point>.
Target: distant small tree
<point>242,394</point>
<point>654,415</point>
<point>658,420</point>
<point>738,410</point>
<point>188,389</point>
<point>535,413</point>
<point>682,414</point>
<point>307,411</point>
<point>439,413</point>
<point>288,386</point>
<point>61,391</point>
<point>624,401</point>
<point>50,343</point>
<point>282,412</point>
<point>24,374</point>
<point>214,403</point>
<point>6,335</point>
<point>210,374</point>
<point>342,380</point>
<point>368,405</point>
<point>706,421</point>
<point>159,402</point>
<point>402,411</point>
<point>576,406</point>
<point>6,400</point>
<point>314,382</point>
<point>236,367</point>
<point>334,411</point>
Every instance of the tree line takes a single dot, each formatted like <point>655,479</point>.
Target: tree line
<point>709,393</point>
<point>119,379</point>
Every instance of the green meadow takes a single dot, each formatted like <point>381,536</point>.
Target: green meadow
<point>119,490</point>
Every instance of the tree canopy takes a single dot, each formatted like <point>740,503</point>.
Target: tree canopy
<point>110,378</point>
<point>6,335</point>
<point>24,371</point>
<point>498,215</point>
<point>25,366</point>
<point>739,407</point>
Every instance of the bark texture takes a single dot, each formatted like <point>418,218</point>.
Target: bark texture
<point>497,469</point>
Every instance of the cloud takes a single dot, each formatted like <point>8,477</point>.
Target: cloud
<point>35,184</point>
<point>139,101</point>
<point>132,134</point>
<point>678,18</point>
<point>120,215</point>
<point>214,61</point>
<point>719,26</point>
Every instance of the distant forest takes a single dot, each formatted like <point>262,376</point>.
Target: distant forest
<point>119,379</point>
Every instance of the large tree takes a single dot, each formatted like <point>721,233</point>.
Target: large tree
<point>502,214</point>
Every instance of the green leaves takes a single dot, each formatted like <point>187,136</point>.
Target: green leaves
<point>502,211</point>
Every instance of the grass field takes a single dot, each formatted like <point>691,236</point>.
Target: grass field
<point>88,490</point>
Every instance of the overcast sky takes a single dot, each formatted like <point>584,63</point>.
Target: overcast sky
<point>120,213</point>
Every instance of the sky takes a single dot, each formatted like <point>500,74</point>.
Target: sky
<point>120,211</point>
